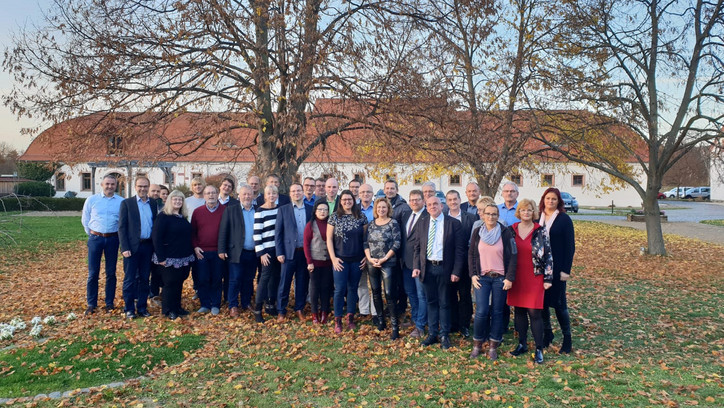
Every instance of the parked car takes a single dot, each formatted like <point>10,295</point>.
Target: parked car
<point>698,192</point>
<point>676,192</point>
<point>661,195</point>
<point>569,202</point>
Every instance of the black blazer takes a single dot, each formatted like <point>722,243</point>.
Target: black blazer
<point>129,223</point>
<point>283,199</point>
<point>453,247</point>
<point>231,232</point>
<point>407,245</point>
<point>466,208</point>
<point>467,221</point>
<point>285,230</point>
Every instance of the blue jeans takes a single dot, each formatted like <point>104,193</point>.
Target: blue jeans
<point>346,281</point>
<point>489,303</point>
<point>241,280</point>
<point>97,247</point>
<point>210,269</point>
<point>136,275</point>
<point>418,302</point>
<point>295,268</point>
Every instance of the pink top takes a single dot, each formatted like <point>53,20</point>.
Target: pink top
<point>491,257</point>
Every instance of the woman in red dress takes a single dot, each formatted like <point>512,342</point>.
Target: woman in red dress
<point>534,275</point>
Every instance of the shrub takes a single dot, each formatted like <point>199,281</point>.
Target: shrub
<point>37,171</point>
<point>15,203</point>
<point>35,189</point>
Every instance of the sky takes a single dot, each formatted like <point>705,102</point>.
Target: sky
<point>14,15</point>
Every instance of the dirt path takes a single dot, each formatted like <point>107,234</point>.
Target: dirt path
<point>708,233</point>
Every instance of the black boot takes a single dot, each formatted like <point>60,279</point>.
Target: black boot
<point>548,338</point>
<point>376,321</point>
<point>538,356</point>
<point>520,349</point>
<point>395,321</point>
<point>565,321</point>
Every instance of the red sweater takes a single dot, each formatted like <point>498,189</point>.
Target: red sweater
<point>205,227</point>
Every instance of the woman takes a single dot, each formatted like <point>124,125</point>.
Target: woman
<point>345,235</point>
<point>171,235</point>
<point>318,263</point>
<point>265,219</point>
<point>492,264</point>
<point>532,278</point>
<point>559,227</point>
<point>382,239</point>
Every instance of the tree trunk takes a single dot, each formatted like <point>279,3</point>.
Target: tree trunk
<point>652,213</point>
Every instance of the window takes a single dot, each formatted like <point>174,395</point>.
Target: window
<point>577,180</point>
<point>359,177</point>
<point>115,145</point>
<point>60,182</point>
<point>85,182</point>
<point>454,180</point>
<point>418,179</point>
<point>195,175</point>
<point>547,180</point>
<point>167,177</point>
<point>517,179</point>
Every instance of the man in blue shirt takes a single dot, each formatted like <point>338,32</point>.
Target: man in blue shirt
<point>365,304</point>
<point>309,187</point>
<point>100,221</point>
<point>510,204</point>
<point>134,232</point>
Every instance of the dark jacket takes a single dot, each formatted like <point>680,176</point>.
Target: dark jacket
<point>510,252</point>
<point>285,230</point>
<point>129,223</point>
<point>407,245</point>
<point>467,220</point>
<point>231,232</point>
<point>171,236</point>
<point>562,238</point>
<point>283,199</point>
<point>453,248</point>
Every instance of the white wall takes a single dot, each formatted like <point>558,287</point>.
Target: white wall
<point>716,178</point>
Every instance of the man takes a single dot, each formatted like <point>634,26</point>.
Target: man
<point>399,205</point>
<point>205,241</point>
<point>331,187</point>
<point>276,181</point>
<point>461,301</point>
<point>225,189</point>
<point>439,255</point>
<point>319,187</point>
<point>472,192</point>
<point>135,222</point>
<point>255,184</point>
<point>354,188</point>
<point>289,243</point>
<point>197,199</point>
<point>510,204</point>
<point>100,221</point>
<point>155,192</point>
<point>365,304</point>
<point>309,186</point>
<point>236,244</point>
<point>429,190</point>
<point>413,286</point>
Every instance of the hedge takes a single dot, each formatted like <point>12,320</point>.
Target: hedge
<point>34,189</point>
<point>13,203</point>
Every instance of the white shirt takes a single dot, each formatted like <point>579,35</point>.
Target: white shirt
<point>437,242</point>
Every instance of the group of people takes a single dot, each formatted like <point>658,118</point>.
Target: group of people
<point>342,251</point>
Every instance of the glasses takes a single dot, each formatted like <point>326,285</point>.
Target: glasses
<point>322,210</point>
<point>365,192</point>
<point>509,191</point>
<point>490,214</point>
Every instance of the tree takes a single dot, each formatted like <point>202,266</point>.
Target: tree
<point>269,58</point>
<point>8,158</point>
<point>652,66</point>
<point>36,171</point>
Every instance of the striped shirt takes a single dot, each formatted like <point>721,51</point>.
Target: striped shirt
<point>265,220</point>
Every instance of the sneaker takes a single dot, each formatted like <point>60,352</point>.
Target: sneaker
<point>215,311</point>
<point>203,310</point>
<point>130,315</point>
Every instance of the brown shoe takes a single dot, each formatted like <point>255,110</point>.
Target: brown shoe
<point>300,315</point>
<point>281,318</point>
<point>415,333</point>
<point>234,312</point>
<point>477,348</point>
<point>493,350</point>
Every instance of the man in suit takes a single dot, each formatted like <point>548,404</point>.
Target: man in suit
<point>438,259</point>
<point>289,243</point>
<point>273,180</point>
<point>100,222</point>
<point>461,301</point>
<point>472,192</point>
<point>236,244</point>
<point>135,222</point>
<point>412,286</point>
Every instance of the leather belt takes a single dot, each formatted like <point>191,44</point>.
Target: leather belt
<point>492,274</point>
<point>104,235</point>
<point>435,263</point>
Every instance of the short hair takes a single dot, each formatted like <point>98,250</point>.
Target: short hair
<point>377,202</point>
<point>452,192</point>
<point>230,180</point>
<point>484,201</point>
<point>142,178</point>
<point>279,179</point>
<point>417,193</point>
<point>168,207</point>
<point>110,176</point>
<point>531,203</point>
<point>542,204</point>
<point>320,179</point>
<point>163,187</point>
<point>497,210</point>
<point>273,188</point>
<point>429,184</point>
<point>216,190</point>
<point>296,184</point>
<point>355,181</point>
<point>243,186</point>
<point>393,181</point>
<point>308,178</point>
<point>510,183</point>
<point>198,180</point>
<point>473,183</point>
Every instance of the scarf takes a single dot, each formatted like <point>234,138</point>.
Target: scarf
<point>492,236</point>
<point>547,223</point>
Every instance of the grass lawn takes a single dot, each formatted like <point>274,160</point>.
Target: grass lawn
<point>648,331</point>
<point>719,223</point>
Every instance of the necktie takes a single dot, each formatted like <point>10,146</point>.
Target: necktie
<point>409,230</point>
<point>431,237</point>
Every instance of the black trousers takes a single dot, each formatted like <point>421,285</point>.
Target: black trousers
<point>461,302</point>
<point>389,274</point>
<point>320,289</point>
<point>173,282</point>
<point>266,289</point>
<point>437,291</point>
